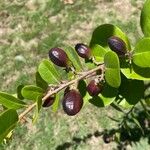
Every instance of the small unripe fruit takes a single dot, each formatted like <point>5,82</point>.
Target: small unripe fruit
<point>72,102</point>
<point>117,45</point>
<point>48,102</point>
<point>83,50</point>
<point>94,88</point>
<point>58,57</point>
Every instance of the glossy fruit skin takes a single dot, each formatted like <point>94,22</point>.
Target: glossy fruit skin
<point>82,50</point>
<point>58,57</point>
<point>72,102</point>
<point>48,102</point>
<point>93,88</point>
<point>117,45</point>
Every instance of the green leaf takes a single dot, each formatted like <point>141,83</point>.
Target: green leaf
<point>131,90</point>
<point>83,91</point>
<point>145,18</point>
<point>38,108</point>
<point>141,56</point>
<point>10,101</point>
<point>31,92</point>
<point>112,69</point>
<point>73,56</point>
<point>56,102</point>
<point>103,32</point>
<point>135,72</point>
<point>8,120</point>
<point>19,95</point>
<point>98,52</point>
<point>40,82</point>
<point>105,98</point>
<point>48,72</point>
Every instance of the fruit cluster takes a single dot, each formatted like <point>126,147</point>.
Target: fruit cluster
<point>72,101</point>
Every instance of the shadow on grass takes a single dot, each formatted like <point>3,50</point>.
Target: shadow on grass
<point>122,136</point>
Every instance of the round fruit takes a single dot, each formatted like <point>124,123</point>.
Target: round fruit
<point>117,45</point>
<point>48,102</point>
<point>94,88</point>
<point>72,102</point>
<point>58,57</point>
<point>83,50</point>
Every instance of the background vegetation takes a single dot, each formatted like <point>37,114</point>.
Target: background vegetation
<point>28,29</point>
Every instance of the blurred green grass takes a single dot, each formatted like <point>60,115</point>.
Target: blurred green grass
<point>28,29</point>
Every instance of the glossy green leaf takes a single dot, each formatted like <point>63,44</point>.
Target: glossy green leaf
<point>74,58</point>
<point>48,72</point>
<point>135,72</point>
<point>105,98</point>
<point>102,33</point>
<point>141,56</point>
<point>145,18</point>
<point>31,92</point>
<point>131,90</point>
<point>8,120</point>
<point>38,108</point>
<point>112,69</point>
<point>98,52</point>
<point>10,101</point>
<point>40,82</point>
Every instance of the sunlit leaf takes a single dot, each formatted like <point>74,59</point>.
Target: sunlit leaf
<point>8,120</point>
<point>10,101</point>
<point>31,92</point>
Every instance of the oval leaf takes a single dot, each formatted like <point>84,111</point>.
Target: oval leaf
<point>98,52</point>
<point>141,56</point>
<point>40,82</point>
<point>31,92</point>
<point>145,18</point>
<point>112,69</point>
<point>8,120</point>
<point>73,56</point>
<point>102,33</point>
<point>10,101</point>
<point>48,72</point>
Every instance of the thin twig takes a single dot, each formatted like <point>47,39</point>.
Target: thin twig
<point>62,86</point>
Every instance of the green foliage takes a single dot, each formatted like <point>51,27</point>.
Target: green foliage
<point>31,92</point>
<point>132,91</point>
<point>48,72</point>
<point>112,69</point>
<point>145,18</point>
<point>38,108</point>
<point>142,53</point>
<point>98,52</point>
<point>102,33</point>
<point>8,120</point>
<point>74,58</point>
<point>10,101</point>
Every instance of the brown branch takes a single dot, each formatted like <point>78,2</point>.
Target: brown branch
<point>62,86</point>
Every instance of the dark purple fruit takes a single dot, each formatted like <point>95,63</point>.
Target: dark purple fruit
<point>94,88</point>
<point>48,102</point>
<point>117,45</point>
<point>58,57</point>
<point>72,102</point>
<point>83,50</point>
